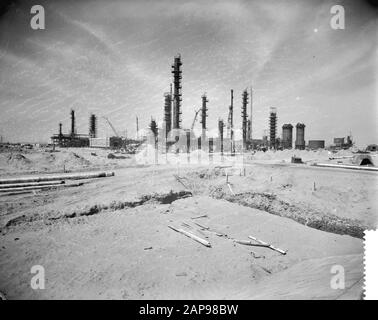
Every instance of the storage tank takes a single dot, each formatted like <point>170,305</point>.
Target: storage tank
<point>287,136</point>
<point>300,132</point>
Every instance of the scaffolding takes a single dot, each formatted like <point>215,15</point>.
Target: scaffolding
<point>168,112</point>
<point>272,128</point>
<point>204,111</point>
<point>177,96</point>
<point>244,116</point>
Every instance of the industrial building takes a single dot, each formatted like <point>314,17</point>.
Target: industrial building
<point>340,143</point>
<point>316,144</point>
<point>172,130</point>
<point>73,139</point>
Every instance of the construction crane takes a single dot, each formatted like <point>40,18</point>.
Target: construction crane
<point>111,126</point>
<point>195,118</point>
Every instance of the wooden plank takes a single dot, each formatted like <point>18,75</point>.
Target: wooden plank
<point>192,236</point>
<point>218,233</point>
<point>268,245</point>
<point>203,216</point>
<point>202,226</point>
<point>250,243</point>
<point>179,180</point>
<point>229,186</point>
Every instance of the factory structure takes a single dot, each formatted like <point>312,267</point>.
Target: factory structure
<point>75,139</point>
<point>172,131</point>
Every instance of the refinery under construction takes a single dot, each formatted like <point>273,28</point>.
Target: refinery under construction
<point>172,130</point>
<point>181,213</point>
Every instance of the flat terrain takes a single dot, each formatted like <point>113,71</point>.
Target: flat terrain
<point>109,238</point>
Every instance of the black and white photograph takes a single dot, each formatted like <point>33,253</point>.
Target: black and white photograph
<point>193,150</point>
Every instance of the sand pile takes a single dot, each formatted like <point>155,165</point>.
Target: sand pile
<point>72,161</point>
<point>19,161</point>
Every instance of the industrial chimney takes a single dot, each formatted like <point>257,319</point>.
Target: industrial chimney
<point>73,123</point>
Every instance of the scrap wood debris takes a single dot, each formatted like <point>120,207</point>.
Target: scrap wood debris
<point>250,243</point>
<point>192,236</point>
<point>180,180</point>
<point>197,217</point>
<point>229,186</point>
<point>268,245</point>
<point>259,243</point>
<point>191,227</point>
<point>218,233</point>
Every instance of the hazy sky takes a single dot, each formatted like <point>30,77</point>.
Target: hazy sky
<point>113,58</point>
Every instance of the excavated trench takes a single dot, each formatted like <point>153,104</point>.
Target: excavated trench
<point>160,198</point>
<point>306,216</point>
<point>270,203</point>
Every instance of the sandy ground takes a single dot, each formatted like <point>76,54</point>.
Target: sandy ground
<point>110,238</point>
<point>61,160</point>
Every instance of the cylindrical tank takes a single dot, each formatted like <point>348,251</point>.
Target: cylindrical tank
<point>300,141</point>
<point>287,136</point>
<point>93,126</point>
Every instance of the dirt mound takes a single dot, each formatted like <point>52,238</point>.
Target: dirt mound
<point>72,161</point>
<point>113,156</point>
<point>19,161</point>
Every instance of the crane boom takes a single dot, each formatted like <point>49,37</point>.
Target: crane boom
<point>195,118</point>
<point>111,126</point>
